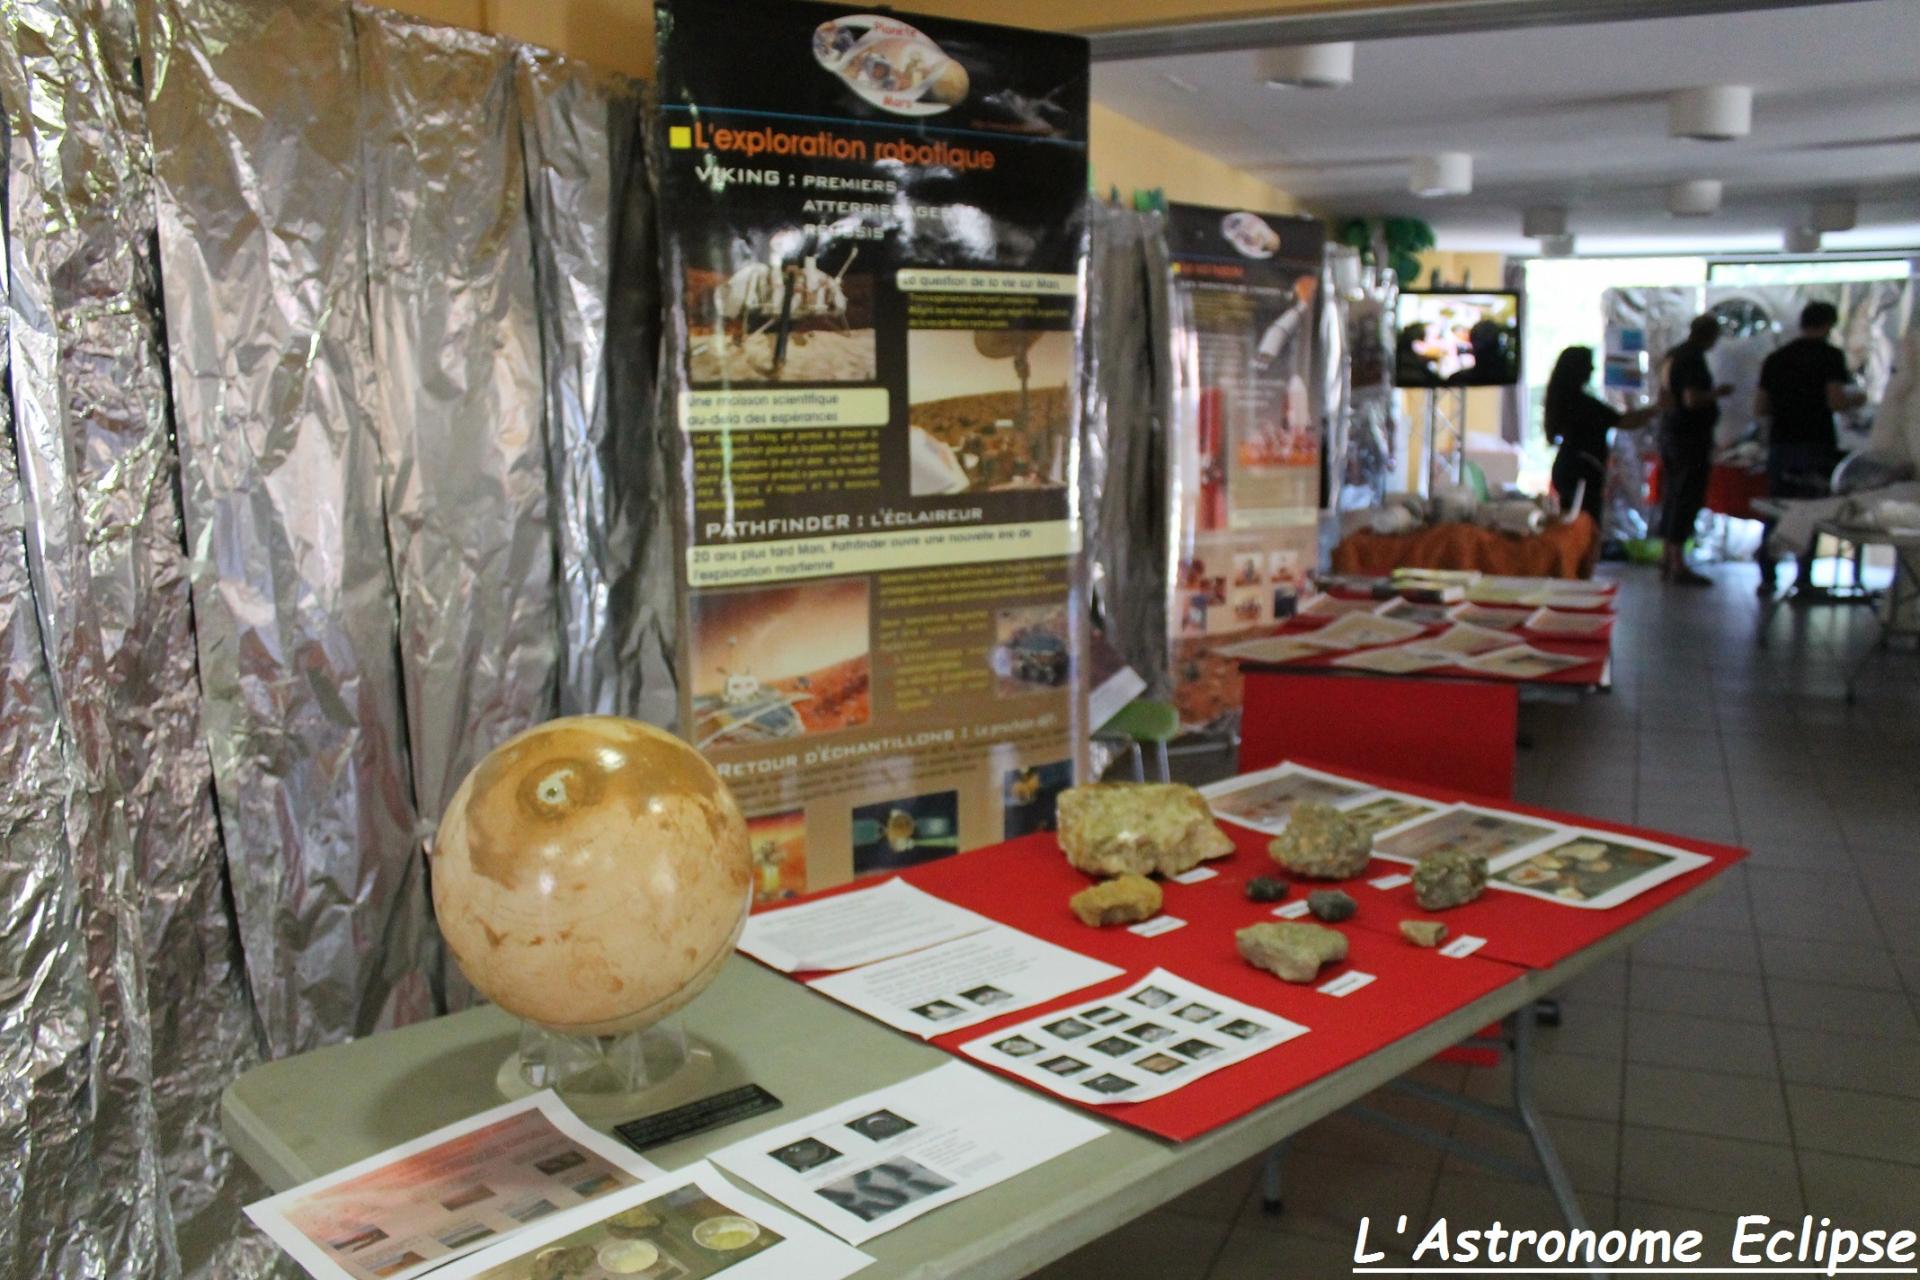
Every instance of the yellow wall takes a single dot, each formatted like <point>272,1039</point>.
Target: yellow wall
<point>1133,157</point>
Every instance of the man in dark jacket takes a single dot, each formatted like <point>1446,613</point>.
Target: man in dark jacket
<point>1686,442</point>
<point>1802,385</point>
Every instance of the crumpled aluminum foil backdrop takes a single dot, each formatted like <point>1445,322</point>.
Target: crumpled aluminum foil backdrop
<point>258,617</point>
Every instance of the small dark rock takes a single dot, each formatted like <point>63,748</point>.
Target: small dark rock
<point>1332,905</point>
<point>1267,889</point>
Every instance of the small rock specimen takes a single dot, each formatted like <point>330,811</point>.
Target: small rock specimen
<point>1291,951</point>
<point>1332,905</point>
<point>1146,828</point>
<point>1121,900</point>
<point>1449,879</point>
<point>1267,889</point>
<point>1423,933</point>
<point>1322,843</point>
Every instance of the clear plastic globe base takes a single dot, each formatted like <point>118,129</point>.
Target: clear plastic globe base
<point>610,1077</point>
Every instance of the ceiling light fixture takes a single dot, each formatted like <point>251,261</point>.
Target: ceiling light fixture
<point>1802,240</point>
<point>1560,246</point>
<point>1715,113</point>
<point>1445,173</point>
<point>1543,220</point>
<point>1308,66</point>
<point>1835,215</point>
<point>1694,198</point>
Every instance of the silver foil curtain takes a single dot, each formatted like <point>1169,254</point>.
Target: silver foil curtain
<point>1126,390</point>
<point>367,486</point>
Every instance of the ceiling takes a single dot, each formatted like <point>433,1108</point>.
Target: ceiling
<point>1576,116</point>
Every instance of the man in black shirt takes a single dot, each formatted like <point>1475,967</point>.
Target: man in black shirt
<point>1686,443</point>
<point>1802,385</point>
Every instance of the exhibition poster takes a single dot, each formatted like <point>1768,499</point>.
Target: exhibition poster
<point>1245,449</point>
<point>878,1161</point>
<point>873,231</point>
<point>448,1193</point>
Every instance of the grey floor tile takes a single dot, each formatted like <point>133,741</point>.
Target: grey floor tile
<point>1565,1084</point>
<point>1749,1107</point>
<point>1474,1198</point>
<point>1220,1198</point>
<point>1589,1149</point>
<point>1717,1174</point>
<point>1163,1244</point>
<point>1846,1122</point>
<point>1592,1030</point>
<point>1821,1006</point>
<point>1702,1044</point>
<point>1684,944</point>
<point>1251,1253</point>
<point>1847,1188</point>
<point>1736,997</point>
<point>1326,1195</point>
<point>1865,1063</point>
<point>1604,984</point>
<point>1840,964</point>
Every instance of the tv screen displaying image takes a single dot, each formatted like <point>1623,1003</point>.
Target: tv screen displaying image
<point>1457,338</point>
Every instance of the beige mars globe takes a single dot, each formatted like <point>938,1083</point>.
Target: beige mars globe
<point>591,875</point>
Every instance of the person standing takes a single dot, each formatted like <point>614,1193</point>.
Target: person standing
<point>1691,408</point>
<point>1802,385</point>
<point>1578,422</point>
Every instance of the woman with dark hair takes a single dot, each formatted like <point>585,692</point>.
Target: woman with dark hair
<point>1578,422</point>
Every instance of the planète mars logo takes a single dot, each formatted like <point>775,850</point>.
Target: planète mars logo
<point>896,67</point>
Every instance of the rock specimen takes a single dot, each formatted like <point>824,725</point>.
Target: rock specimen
<point>1423,933</point>
<point>1147,828</point>
<point>1121,900</point>
<point>1292,951</point>
<point>1322,843</point>
<point>1267,889</point>
<point>1332,905</point>
<point>1448,879</point>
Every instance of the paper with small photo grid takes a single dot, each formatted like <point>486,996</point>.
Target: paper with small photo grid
<point>1152,1038</point>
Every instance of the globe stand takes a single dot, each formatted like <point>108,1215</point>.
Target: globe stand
<point>609,1077</point>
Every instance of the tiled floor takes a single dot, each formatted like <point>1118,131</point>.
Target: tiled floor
<point>1760,1056</point>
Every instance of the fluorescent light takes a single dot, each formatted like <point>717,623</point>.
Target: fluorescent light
<point>1714,113</point>
<point>1308,66</point>
<point>1445,173</point>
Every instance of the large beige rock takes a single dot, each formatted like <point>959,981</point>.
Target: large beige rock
<point>591,874</point>
<point>1291,950</point>
<point>1147,828</point>
<point>1322,843</point>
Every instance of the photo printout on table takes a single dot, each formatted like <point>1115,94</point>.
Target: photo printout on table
<point>1376,811</point>
<point>689,1225</point>
<point>1465,639</point>
<point>1272,649</point>
<point>1264,799</point>
<point>1523,662</point>
<point>876,1162</point>
<point>1553,622</point>
<point>1156,1036</point>
<point>1397,659</point>
<point>422,1204</point>
<point>1467,828</point>
<point>956,984</point>
<point>1594,869</point>
<point>1358,630</point>
<point>856,928</point>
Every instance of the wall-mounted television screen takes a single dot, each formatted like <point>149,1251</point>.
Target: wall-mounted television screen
<point>1457,338</point>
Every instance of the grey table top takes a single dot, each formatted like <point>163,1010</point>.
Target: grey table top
<point>300,1117</point>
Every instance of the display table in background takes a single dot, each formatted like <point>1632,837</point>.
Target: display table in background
<point>1449,730</point>
<point>1558,551</point>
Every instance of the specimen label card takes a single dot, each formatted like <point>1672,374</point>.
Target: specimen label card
<point>422,1204</point>
<point>679,1226</point>
<point>956,984</point>
<point>856,928</point>
<point>1159,1034</point>
<point>881,1160</point>
<point>1464,945</point>
<point>1155,927</point>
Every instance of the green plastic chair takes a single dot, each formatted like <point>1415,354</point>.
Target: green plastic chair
<point>1141,721</point>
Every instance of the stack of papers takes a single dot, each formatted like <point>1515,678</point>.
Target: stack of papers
<point>916,962</point>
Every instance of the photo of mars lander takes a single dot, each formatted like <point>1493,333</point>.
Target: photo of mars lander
<point>795,313</point>
<point>989,409</point>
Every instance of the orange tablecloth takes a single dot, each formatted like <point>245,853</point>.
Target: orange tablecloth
<point>1559,551</point>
